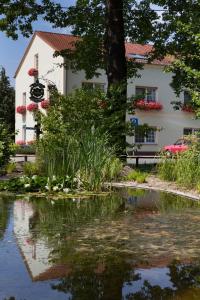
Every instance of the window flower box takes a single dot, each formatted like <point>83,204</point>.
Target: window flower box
<point>45,104</point>
<point>33,72</point>
<point>32,107</point>
<point>20,143</point>
<point>148,105</point>
<point>188,108</point>
<point>21,109</point>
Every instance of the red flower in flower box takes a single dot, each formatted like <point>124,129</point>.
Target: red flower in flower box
<point>21,109</point>
<point>32,107</point>
<point>20,143</point>
<point>31,142</point>
<point>32,72</point>
<point>45,104</point>
<point>148,105</point>
<point>187,108</point>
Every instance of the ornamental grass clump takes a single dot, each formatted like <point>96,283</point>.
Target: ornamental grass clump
<point>86,159</point>
<point>75,142</point>
<point>183,168</point>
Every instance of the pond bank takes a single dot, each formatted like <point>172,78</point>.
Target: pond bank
<point>155,183</point>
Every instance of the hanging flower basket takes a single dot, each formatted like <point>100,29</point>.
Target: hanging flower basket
<point>148,105</point>
<point>188,108</point>
<point>32,107</point>
<point>45,104</point>
<point>32,72</point>
<point>21,109</point>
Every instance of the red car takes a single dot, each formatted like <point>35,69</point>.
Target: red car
<point>179,146</point>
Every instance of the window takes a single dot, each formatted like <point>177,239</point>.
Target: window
<point>147,93</point>
<point>93,85</point>
<point>24,99</point>
<point>24,132</point>
<point>186,97</point>
<point>24,103</point>
<point>142,138</point>
<point>187,131</point>
<point>36,61</point>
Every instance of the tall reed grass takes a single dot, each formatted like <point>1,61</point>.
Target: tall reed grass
<point>86,157</point>
<point>183,168</point>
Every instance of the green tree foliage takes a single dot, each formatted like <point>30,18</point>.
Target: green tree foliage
<point>103,26</point>
<point>179,35</point>
<point>7,101</point>
<point>6,148</point>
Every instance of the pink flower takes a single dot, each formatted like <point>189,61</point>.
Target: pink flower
<point>21,109</point>
<point>148,105</point>
<point>32,72</point>
<point>45,104</point>
<point>32,107</point>
<point>20,142</point>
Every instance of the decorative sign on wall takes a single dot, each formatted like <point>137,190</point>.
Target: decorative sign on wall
<point>134,121</point>
<point>37,92</point>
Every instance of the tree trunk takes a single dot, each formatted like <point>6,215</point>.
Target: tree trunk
<point>116,70</point>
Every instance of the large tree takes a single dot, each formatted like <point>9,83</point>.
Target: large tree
<point>103,26</point>
<point>179,35</point>
<point>7,101</point>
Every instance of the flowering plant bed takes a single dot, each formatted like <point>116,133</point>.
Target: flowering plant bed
<point>188,108</point>
<point>148,105</point>
<point>32,72</point>
<point>21,109</point>
<point>45,104</point>
<point>32,107</point>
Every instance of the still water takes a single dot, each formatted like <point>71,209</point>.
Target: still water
<point>130,245</point>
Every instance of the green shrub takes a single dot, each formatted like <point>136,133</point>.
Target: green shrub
<point>183,168</point>
<point>30,168</point>
<point>166,168</point>
<point>6,149</point>
<point>138,176</point>
<point>11,167</point>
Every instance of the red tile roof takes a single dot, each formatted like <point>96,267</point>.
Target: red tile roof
<point>59,41</point>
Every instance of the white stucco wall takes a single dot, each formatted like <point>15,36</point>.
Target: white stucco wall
<point>169,121</point>
<point>49,72</point>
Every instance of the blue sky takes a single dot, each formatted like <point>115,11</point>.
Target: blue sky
<point>12,51</point>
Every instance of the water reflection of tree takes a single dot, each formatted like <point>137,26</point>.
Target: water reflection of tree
<point>186,285</point>
<point>170,203</point>
<point>4,213</point>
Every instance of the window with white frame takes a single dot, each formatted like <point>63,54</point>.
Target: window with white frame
<point>145,138</point>
<point>147,93</point>
<point>187,131</point>
<point>186,97</point>
<point>93,85</point>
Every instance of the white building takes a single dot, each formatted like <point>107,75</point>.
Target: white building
<point>154,82</point>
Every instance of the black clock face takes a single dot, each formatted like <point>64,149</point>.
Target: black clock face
<point>37,91</point>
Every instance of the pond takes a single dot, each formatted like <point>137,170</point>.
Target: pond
<point>130,245</point>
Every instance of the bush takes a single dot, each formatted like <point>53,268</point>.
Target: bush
<point>11,167</point>
<point>30,168</point>
<point>184,167</point>
<point>138,176</point>
<point>6,149</point>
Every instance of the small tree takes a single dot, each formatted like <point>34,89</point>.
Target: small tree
<point>7,101</point>
<point>6,149</point>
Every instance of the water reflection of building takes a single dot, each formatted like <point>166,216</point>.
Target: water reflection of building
<point>140,199</point>
<point>35,252</point>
